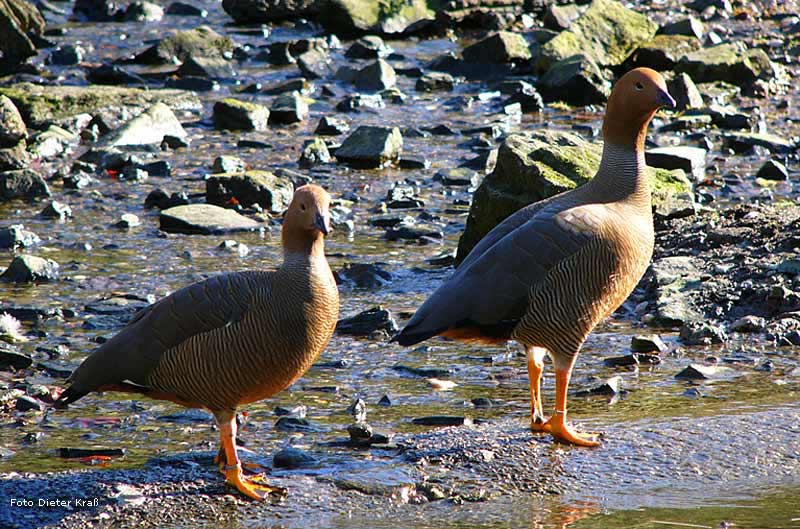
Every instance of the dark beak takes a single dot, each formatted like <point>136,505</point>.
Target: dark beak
<point>322,223</point>
<point>665,100</point>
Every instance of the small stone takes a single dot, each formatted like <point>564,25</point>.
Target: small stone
<point>182,9</point>
<point>314,64</point>
<point>611,386</point>
<point>749,324</point>
<point>561,17</point>
<point>634,359</point>
<point>458,176</point>
<point>288,108</point>
<point>704,372</point>
<point>435,82</point>
<point>741,142</point>
<point>576,80</point>
<point>29,269</point>
<point>689,26</point>
<point>374,320</point>
<point>206,68</point>
<point>315,152</point>
<point>360,432</point>
<point>368,47</point>
<point>500,47</point>
<point>773,170</point>
<point>295,424</point>
<point>13,360</point>
<point>701,333</point>
<point>690,159</point>
<point>22,183</point>
<point>331,126</point>
<point>442,420</point>
<point>364,275</point>
<point>271,192</point>
<point>648,344</point>
<point>67,55</point>
<point>376,76</point>
<point>232,114</point>
<point>16,236</point>
<point>385,401</point>
<point>358,409</point>
<point>148,128</point>
<point>685,92</point>
<point>204,219</point>
<point>12,126</point>
<point>25,403</point>
<point>292,458</point>
<point>143,12</point>
<point>371,146</point>
<point>355,102</point>
<point>228,164</point>
<point>127,221</point>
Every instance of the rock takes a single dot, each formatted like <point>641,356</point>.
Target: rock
<point>314,64</point>
<point>611,386</point>
<point>13,360</point>
<point>740,142</point>
<point>528,98</point>
<point>634,359</point>
<point>232,114</point>
<point>368,47</point>
<point>273,193</point>
<point>355,17</point>
<point>374,320</point>
<point>288,108</point>
<point>204,219</point>
<point>15,158</point>
<point>206,68</point>
<point>189,416</point>
<point>315,152</point>
<point>127,221</point>
<point>26,403</point>
<point>561,17</point>
<point>354,102</point>
<point>371,146</point>
<point>376,76</point>
<point>52,142</point>
<point>68,55</point>
<point>158,198</point>
<point>701,333</point>
<point>773,170</point>
<point>16,236</point>
<point>704,372</point>
<point>199,42</point>
<point>420,233</point>
<point>648,344</point>
<point>292,85</point>
<point>143,12</point>
<point>56,210</point>
<point>690,159</point>
<point>79,453</point>
<point>30,269</point>
<point>726,62</point>
<point>537,165</point>
<point>435,82</point>
<point>364,275</point>
<point>22,183</point>
<point>331,126</point>
<point>500,47</point>
<point>263,11</point>
<point>442,420</point>
<point>607,33</point>
<point>689,26</point>
<point>664,51</point>
<point>576,80</point>
<point>295,424</point>
<point>12,127</point>
<point>749,324</point>
<point>675,279</point>
<point>148,128</point>
<point>458,176</point>
<point>292,458</point>
<point>730,118</point>
<point>18,20</point>
<point>685,92</point>
<point>359,432</point>
<point>401,196</point>
<point>228,164</point>
<point>41,105</point>
<point>94,10</point>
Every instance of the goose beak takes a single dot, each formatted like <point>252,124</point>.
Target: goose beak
<point>323,223</point>
<point>664,99</point>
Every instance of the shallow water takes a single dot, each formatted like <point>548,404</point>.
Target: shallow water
<point>97,260</point>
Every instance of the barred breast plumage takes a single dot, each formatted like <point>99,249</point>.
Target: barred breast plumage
<point>231,339</point>
<point>550,272</point>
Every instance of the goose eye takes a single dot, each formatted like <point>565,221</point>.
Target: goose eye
<point>639,86</point>
<point>302,207</point>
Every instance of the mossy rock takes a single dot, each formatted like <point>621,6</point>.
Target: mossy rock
<point>537,165</point>
<point>607,33</point>
<point>355,17</point>
<point>663,51</point>
<point>40,104</point>
<point>731,63</point>
<point>199,42</point>
<point>273,193</point>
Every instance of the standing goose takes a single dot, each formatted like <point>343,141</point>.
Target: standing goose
<point>230,340</point>
<point>550,272</point>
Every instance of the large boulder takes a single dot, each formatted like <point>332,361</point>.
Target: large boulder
<point>576,80</point>
<point>355,17</point>
<point>731,63</point>
<point>534,166</point>
<point>18,19</point>
<point>22,183</point>
<point>607,33</point>
<point>199,42</point>
<point>269,191</point>
<point>147,128</point>
<point>261,11</point>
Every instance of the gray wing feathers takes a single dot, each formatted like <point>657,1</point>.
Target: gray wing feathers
<point>196,309</point>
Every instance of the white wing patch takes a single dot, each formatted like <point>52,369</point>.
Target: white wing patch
<point>582,220</point>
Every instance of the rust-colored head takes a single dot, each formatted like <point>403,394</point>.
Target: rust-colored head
<point>308,218</point>
<point>633,102</point>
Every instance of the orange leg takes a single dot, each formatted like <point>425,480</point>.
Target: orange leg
<point>557,424</point>
<point>535,368</point>
<point>232,467</point>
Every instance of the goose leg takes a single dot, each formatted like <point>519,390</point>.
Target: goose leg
<point>254,487</point>
<point>535,367</point>
<point>557,425</point>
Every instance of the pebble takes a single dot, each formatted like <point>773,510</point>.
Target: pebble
<point>290,458</point>
<point>374,320</point>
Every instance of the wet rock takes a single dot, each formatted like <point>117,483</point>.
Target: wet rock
<point>749,324</point>
<point>314,152</point>
<point>435,82</point>
<point>634,359</point>
<point>701,333</point>
<point>576,80</point>
<point>457,177</point>
<point>67,55</point>
<point>127,221</point>
<point>561,17</point>
<point>56,210</point>
<point>331,126</point>
<point>231,246</point>
<point>16,236</point>
<point>368,47</point>
<point>406,231</point>
<point>727,62</point>
<point>537,165</point>
<point>364,275</point>
<point>675,280</point>
<point>611,386</point>
<point>664,51</point>
<point>355,102</point>
<point>204,219</point>
<point>292,458</point>
<point>689,26</point>
<point>607,33</point>
<point>52,142</point>
<point>442,420</point>
<point>18,20</point>
<point>228,164</point>
<point>12,126</point>
<point>22,183</point>
<point>704,372</point>
<point>371,146</point>
<point>199,42</point>
<point>502,47</point>
<point>648,344</point>
<point>685,92</point>
<point>355,17</point>
<point>360,432</point>
<point>288,108</point>
<point>79,453</point>
<point>14,158</point>
<point>189,416</point>
<point>424,372</point>
<point>401,196</point>
<point>376,76</point>
<point>314,64</point>
<point>295,424</point>
<point>30,269</point>
<point>232,114</point>
<point>147,128</point>
<point>264,188</point>
<point>374,320</point>
<point>206,68</point>
<point>26,403</point>
<point>740,142</point>
<point>385,401</point>
<point>690,159</point>
<point>773,170</point>
<point>158,198</point>
<point>730,118</point>
<point>143,12</point>
<point>528,98</point>
<point>94,10</point>
<point>260,11</point>
<point>10,359</point>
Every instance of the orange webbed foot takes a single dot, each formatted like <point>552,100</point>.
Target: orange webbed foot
<point>254,487</point>
<point>558,427</point>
